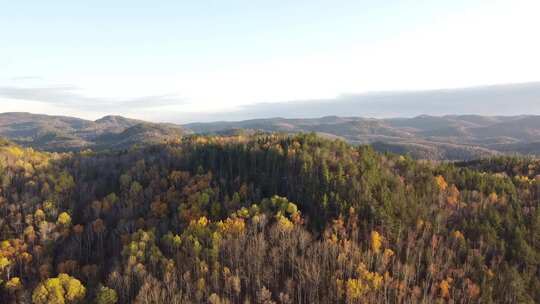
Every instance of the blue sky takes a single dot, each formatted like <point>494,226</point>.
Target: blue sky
<point>165,60</point>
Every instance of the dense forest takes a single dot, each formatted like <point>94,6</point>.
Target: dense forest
<point>265,218</point>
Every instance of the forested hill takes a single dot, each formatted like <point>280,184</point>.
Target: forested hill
<point>61,133</point>
<point>265,219</point>
<point>453,137</point>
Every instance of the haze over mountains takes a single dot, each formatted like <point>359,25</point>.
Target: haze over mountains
<point>494,100</point>
<point>451,137</point>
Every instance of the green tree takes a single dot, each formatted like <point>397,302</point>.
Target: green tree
<point>106,295</point>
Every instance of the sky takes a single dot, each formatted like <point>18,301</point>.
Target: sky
<point>179,60</point>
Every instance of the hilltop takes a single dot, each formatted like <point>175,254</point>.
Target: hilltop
<point>265,218</point>
<point>61,133</point>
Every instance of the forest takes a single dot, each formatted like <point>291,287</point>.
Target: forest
<point>265,218</point>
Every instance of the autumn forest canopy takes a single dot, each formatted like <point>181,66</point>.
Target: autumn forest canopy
<point>265,218</point>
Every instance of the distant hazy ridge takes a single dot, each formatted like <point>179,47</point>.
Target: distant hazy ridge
<point>428,137</point>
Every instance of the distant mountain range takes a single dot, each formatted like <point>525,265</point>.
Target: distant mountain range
<point>428,137</point>
<point>453,137</point>
<point>60,133</point>
<point>493,100</point>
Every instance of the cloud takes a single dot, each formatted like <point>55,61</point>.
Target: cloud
<point>510,99</point>
<point>24,78</point>
<point>69,97</point>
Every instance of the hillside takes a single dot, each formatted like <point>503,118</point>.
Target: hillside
<point>265,219</point>
<point>59,133</point>
<point>453,137</point>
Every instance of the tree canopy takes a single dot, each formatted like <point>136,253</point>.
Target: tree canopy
<point>265,218</point>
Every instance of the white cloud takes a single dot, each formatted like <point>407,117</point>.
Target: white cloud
<point>70,97</point>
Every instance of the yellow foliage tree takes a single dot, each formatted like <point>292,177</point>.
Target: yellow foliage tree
<point>234,225</point>
<point>376,241</point>
<point>372,280</point>
<point>60,290</point>
<point>493,198</point>
<point>444,287</point>
<point>4,263</point>
<point>453,196</point>
<point>441,182</point>
<point>458,235</point>
<point>388,253</point>
<point>64,219</point>
<point>14,284</point>
<point>284,223</point>
<point>203,221</point>
<point>366,281</point>
<point>355,289</point>
<point>39,215</point>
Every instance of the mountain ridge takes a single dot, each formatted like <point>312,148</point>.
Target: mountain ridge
<point>451,137</point>
<point>61,133</point>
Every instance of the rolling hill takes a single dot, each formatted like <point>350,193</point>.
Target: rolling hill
<point>60,133</point>
<point>450,137</point>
